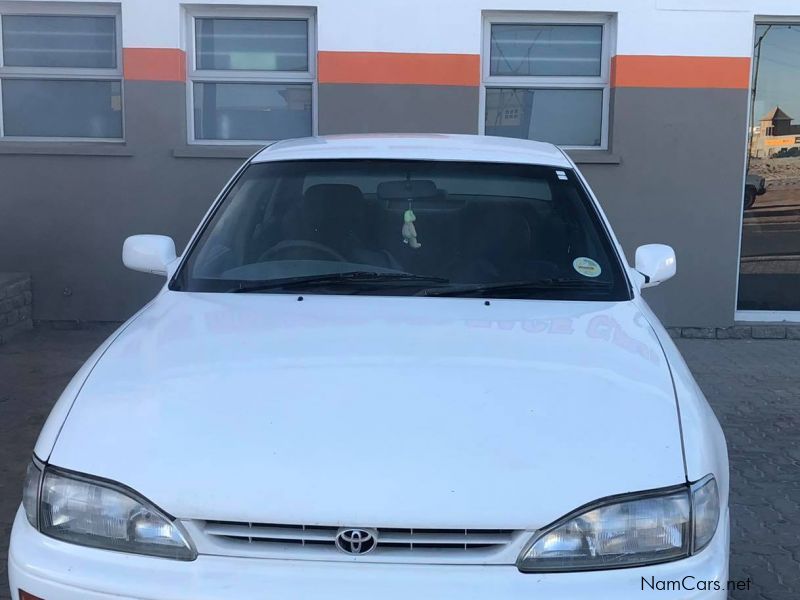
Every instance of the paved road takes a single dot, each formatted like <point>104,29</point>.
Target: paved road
<point>753,385</point>
<point>34,369</point>
<point>754,388</point>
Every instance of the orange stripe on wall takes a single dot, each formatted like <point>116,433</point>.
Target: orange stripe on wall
<point>154,64</point>
<point>169,64</point>
<point>399,68</point>
<point>680,72</point>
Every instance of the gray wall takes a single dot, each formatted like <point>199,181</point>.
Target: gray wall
<point>365,108</point>
<point>679,182</point>
<point>63,217</point>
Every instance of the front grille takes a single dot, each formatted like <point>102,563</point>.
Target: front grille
<point>272,540</point>
<point>409,539</point>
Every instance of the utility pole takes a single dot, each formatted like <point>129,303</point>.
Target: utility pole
<point>753,94</point>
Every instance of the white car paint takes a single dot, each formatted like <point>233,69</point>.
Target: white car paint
<point>433,146</point>
<point>413,394</point>
<point>657,262</point>
<point>440,411</point>
<point>148,253</point>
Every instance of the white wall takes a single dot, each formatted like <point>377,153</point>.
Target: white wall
<point>658,27</point>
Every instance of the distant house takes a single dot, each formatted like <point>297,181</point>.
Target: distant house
<point>774,132</point>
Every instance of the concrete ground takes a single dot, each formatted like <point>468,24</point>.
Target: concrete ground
<point>753,385</point>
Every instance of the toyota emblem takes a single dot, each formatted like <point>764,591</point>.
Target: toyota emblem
<point>356,541</point>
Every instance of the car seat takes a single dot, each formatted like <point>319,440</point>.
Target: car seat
<point>497,246</point>
<point>333,216</point>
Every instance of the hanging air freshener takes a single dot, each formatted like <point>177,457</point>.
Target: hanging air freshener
<point>409,231</point>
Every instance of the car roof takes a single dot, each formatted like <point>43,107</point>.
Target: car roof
<point>450,147</point>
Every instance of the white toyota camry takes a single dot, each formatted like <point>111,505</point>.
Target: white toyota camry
<point>384,367</point>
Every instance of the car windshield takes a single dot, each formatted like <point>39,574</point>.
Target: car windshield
<point>404,228</point>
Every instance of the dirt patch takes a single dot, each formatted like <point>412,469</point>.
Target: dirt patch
<point>779,172</point>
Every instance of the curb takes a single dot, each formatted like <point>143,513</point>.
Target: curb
<point>74,325</point>
<point>765,331</point>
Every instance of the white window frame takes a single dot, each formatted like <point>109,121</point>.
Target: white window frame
<point>63,9</point>
<point>601,82</point>
<point>194,75</point>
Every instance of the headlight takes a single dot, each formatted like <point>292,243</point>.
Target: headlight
<point>82,510</point>
<point>30,494</point>
<point>705,507</point>
<point>628,531</point>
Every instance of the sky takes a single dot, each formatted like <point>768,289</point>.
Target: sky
<point>779,71</point>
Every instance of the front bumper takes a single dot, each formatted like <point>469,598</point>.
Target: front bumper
<point>54,570</point>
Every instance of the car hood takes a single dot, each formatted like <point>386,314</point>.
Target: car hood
<point>374,411</point>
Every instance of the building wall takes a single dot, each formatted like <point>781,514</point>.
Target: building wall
<point>672,173</point>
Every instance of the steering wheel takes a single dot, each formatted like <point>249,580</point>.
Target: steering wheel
<point>288,245</point>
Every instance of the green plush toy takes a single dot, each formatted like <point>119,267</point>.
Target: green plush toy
<point>409,231</point>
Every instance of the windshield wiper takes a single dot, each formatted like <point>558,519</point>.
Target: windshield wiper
<point>335,279</point>
<point>511,287</point>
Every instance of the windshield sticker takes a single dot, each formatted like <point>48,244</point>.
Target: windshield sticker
<point>561,175</point>
<point>586,267</point>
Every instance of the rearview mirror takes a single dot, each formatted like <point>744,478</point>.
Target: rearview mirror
<point>656,262</point>
<point>407,189</point>
<point>148,253</point>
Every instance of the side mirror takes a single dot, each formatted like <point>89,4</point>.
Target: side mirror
<point>148,253</point>
<point>656,262</point>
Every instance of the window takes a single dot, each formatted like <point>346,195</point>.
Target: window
<point>252,76</point>
<point>769,260</point>
<point>60,73</point>
<point>546,78</point>
<point>331,226</point>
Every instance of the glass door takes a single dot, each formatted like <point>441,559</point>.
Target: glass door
<point>769,274</point>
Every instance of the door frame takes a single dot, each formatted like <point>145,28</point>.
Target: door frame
<point>759,316</point>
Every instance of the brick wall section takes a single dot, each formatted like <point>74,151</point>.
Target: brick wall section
<point>756,331</point>
<point>16,301</point>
